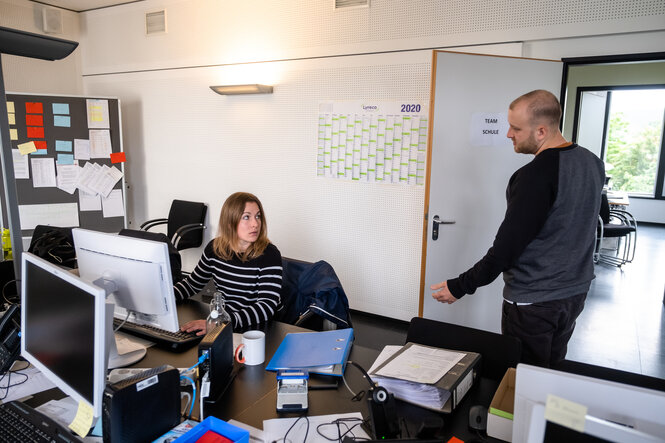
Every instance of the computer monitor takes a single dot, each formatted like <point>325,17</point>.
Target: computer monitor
<point>615,411</point>
<point>135,272</point>
<point>64,329</point>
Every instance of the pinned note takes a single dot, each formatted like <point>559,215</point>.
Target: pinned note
<point>34,108</point>
<point>10,107</point>
<point>27,148</point>
<point>61,108</point>
<point>63,145</point>
<point>62,121</point>
<point>35,132</point>
<point>34,120</point>
<point>12,118</point>
<point>83,420</point>
<point>118,157</point>
<point>13,134</point>
<point>565,413</point>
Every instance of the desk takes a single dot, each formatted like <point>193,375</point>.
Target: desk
<point>618,198</point>
<point>252,396</point>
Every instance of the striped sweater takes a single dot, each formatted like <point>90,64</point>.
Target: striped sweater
<point>251,289</point>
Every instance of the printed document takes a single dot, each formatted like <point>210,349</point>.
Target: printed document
<point>421,364</point>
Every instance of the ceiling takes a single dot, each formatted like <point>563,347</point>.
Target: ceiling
<point>84,5</point>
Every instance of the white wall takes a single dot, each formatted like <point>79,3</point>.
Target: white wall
<point>23,74</point>
<point>184,141</point>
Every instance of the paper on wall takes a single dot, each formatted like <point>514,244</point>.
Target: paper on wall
<point>21,169</point>
<point>67,175</point>
<point>55,214</point>
<point>112,206</point>
<point>100,143</point>
<point>98,113</point>
<point>81,149</point>
<point>89,202</point>
<point>43,172</point>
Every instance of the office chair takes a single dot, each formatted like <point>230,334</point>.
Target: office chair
<point>175,261</point>
<point>619,224</point>
<point>185,224</point>
<point>312,296</point>
<point>498,352</point>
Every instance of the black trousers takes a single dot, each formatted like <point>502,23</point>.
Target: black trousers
<point>544,328</point>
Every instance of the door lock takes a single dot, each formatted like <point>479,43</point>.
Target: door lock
<point>436,221</point>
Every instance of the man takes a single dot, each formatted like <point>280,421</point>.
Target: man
<point>544,246</point>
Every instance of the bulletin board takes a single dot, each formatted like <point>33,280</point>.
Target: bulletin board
<point>68,161</point>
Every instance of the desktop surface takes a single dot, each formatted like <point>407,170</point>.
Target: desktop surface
<point>252,397</point>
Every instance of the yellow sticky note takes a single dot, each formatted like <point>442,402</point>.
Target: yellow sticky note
<point>13,134</point>
<point>12,118</point>
<point>565,413</point>
<point>83,420</point>
<point>27,148</point>
<point>10,107</point>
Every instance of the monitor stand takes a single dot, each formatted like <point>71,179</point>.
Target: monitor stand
<point>132,352</point>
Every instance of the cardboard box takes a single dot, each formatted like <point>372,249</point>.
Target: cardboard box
<point>500,416</point>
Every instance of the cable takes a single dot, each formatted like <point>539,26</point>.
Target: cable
<point>193,392</point>
<point>359,395</point>
<point>189,398</point>
<point>341,421</point>
<point>5,297</point>
<point>123,322</point>
<point>8,374</point>
<point>202,358</point>
<point>294,423</point>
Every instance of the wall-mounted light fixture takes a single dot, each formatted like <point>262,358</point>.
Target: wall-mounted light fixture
<point>242,89</point>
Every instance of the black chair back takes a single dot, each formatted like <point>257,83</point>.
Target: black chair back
<point>183,213</point>
<point>174,256</point>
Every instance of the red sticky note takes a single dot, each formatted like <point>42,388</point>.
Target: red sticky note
<point>34,120</point>
<point>35,132</point>
<point>34,108</point>
<point>118,157</point>
<point>40,144</point>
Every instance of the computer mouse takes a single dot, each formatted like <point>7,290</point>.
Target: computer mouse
<point>478,418</point>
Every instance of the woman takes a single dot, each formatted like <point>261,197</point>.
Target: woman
<point>242,262</point>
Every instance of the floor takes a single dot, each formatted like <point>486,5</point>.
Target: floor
<point>622,325</point>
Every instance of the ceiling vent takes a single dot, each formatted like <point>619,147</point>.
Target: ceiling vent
<point>52,21</point>
<point>155,22</point>
<point>340,4</point>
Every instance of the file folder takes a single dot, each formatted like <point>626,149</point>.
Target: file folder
<point>318,352</point>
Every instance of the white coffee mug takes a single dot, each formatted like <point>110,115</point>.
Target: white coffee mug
<point>253,348</point>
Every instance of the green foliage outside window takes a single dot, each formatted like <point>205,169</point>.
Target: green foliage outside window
<point>633,156</point>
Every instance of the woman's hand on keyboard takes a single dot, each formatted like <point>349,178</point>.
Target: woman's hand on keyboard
<point>195,325</point>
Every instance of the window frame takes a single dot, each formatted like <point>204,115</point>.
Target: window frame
<point>615,59</point>
<point>660,169</point>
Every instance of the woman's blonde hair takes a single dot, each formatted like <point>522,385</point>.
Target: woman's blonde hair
<point>226,243</point>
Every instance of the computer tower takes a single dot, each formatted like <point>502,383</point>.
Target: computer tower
<point>142,407</point>
<point>218,343</point>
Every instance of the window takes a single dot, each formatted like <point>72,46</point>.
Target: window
<point>624,126</point>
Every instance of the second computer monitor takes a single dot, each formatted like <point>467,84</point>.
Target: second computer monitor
<point>64,329</point>
<point>135,272</point>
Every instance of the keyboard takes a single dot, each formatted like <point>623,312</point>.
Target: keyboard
<point>19,422</point>
<point>173,341</point>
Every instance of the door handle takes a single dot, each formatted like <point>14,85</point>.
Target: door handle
<point>436,221</point>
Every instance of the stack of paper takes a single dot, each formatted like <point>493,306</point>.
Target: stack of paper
<point>426,395</point>
<point>424,375</point>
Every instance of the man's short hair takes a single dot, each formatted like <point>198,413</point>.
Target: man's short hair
<point>543,107</point>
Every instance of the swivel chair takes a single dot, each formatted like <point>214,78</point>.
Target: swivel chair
<point>618,224</point>
<point>185,224</point>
